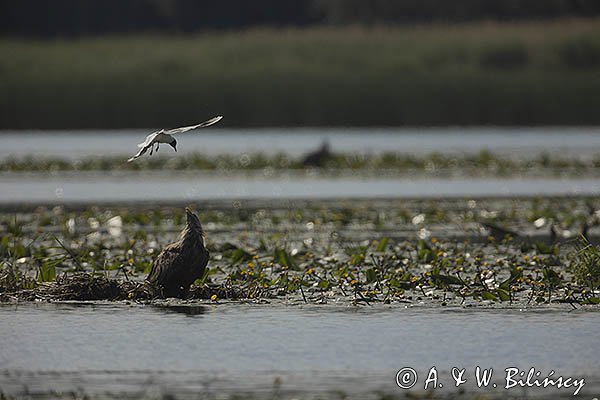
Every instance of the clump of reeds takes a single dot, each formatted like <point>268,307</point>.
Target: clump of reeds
<point>586,264</point>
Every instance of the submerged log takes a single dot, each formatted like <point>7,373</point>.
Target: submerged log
<point>180,263</point>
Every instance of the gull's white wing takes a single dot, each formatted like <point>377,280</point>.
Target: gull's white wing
<point>204,124</point>
<point>150,138</point>
<point>139,153</point>
<point>145,145</point>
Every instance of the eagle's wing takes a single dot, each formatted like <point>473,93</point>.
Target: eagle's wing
<point>162,268</point>
<point>204,124</point>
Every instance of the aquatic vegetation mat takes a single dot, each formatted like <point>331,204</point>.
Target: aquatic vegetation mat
<point>484,163</point>
<point>469,252</point>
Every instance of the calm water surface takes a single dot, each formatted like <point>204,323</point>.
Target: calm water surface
<point>247,346</point>
<point>158,186</point>
<point>523,142</point>
<point>176,186</point>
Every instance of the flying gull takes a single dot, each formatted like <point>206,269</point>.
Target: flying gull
<point>156,138</point>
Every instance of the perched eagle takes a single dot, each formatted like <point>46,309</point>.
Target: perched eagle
<point>180,263</point>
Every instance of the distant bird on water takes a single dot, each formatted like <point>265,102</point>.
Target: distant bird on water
<point>156,138</point>
<point>498,232</point>
<point>180,263</point>
<point>319,157</point>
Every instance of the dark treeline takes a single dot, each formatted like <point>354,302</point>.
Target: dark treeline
<point>93,17</point>
<point>50,18</point>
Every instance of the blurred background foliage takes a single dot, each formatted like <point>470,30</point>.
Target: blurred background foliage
<point>150,63</point>
<point>92,17</point>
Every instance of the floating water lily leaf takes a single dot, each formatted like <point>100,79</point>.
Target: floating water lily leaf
<point>515,273</point>
<point>371,275</point>
<point>400,283</point>
<point>591,300</point>
<point>504,295</point>
<point>489,296</point>
<point>441,280</point>
<point>357,254</point>
<point>324,284</point>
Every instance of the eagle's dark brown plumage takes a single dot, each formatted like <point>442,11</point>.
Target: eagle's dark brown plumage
<point>179,264</point>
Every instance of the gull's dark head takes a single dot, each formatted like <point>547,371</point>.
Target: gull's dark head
<point>173,144</point>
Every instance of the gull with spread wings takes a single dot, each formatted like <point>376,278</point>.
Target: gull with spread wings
<point>154,139</point>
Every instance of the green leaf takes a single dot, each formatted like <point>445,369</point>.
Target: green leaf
<point>262,245</point>
<point>114,266</point>
<point>324,284</point>
<point>552,277</point>
<point>357,254</point>
<point>406,277</point>
<point>371,275</point>
<point>397,283</point>
<point>47,272</point>
<point>5,245</point>
<point>504,295</point>
<point>383,244</point>
<point>147,267</point>
<point>515,274</point>
<point>284,258</point>
<point>239,255</point>
<point>446,279</point>
<point>545,248</point>
<point>425,253</point>
<point>591,300</point>
<point>423,245</point>
<point>489,296</point>
<point>207,272</point>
